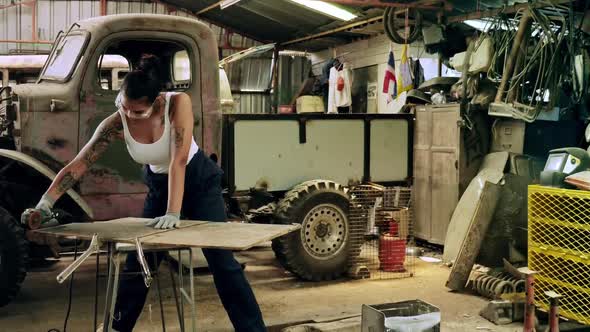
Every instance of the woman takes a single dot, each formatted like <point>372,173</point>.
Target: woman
<point>157,129</point>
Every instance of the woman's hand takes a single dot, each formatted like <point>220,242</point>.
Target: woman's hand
<point>170,220</point>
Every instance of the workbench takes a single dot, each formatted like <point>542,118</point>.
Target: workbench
<point>134,232</point>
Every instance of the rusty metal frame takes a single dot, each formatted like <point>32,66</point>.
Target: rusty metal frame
<point>34,38</point>
<point>103,7</point>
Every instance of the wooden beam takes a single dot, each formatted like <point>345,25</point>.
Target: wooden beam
<point>208,8</point>
<point>332,31</point>
<point>506,10</point>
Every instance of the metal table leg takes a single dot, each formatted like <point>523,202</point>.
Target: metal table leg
<point>112,287</point>
<point>188,296</point>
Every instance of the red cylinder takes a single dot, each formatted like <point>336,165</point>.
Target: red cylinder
<point>393,228</point>
<point>392,253</point>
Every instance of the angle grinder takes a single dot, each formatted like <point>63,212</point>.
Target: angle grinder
<point>35,218</point>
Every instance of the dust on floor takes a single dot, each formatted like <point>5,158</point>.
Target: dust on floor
<point>283,299</point>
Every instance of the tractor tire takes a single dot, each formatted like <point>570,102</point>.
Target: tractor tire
<point>321,249</point>
<point>14,257</point>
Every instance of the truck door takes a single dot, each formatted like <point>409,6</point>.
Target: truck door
<point>114,186</point>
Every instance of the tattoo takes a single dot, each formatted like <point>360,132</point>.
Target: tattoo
<point>178,136</point>
<point>102,141</point>
<point>67,182</point>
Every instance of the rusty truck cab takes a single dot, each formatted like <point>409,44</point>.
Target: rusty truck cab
<point>58,114</point>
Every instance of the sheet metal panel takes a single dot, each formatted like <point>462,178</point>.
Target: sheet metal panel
<point>389,150</point>
<point>191,233</point>
<point>251,103</point>
<point>55,15</point>
<point>118,230</point>
<point>269,153</point>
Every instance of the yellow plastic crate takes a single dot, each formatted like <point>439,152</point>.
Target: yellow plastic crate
<point>559,247</point>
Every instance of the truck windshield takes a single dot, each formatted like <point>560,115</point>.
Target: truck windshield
<point>64,57</point>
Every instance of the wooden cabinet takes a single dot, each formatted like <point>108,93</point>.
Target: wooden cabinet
<point>447,155</point>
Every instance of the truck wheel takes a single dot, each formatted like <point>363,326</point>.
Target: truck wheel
<point>14,256</point>
<point>320,251</point>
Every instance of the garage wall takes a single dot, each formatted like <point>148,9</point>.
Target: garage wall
<point>374,52</point>
<point>55,15</point>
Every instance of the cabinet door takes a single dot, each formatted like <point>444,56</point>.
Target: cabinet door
<point>444,169</point>
<point>422,170</point>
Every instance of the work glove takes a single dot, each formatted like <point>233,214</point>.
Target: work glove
<point>44,207</point>
<point>170,220</point>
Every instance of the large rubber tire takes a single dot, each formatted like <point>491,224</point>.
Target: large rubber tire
<point>390,27</point>
<point>14,257</point>
<point>321,250</point>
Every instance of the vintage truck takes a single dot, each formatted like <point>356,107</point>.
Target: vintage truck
<point>299,164</point>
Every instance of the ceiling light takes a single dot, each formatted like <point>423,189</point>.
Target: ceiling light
<point>226,3</point>
<point>327,9</point>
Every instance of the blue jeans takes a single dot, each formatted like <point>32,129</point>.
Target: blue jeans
<point>202,200</point>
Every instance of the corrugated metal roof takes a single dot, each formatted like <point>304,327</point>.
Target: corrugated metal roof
<point>273,21</point>
<point>284,20</point>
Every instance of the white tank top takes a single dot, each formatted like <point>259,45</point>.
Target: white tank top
<point>157,154</point>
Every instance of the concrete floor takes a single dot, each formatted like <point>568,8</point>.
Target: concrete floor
<point>283,299</point>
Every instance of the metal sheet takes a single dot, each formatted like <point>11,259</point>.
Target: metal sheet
<point>334,150</point>
<point>470,245</point>
<point>389,150</point>
<point>231,236</point>
<point>55,15</point>
<point>468,204</point>
<point>118,230</point>
<point>251,103</point>
<point>199,234</point>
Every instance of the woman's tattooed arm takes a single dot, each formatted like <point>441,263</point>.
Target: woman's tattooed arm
<point>108,131</point>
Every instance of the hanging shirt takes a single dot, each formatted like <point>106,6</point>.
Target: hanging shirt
<point>344,87</point>
<point>332,82</point>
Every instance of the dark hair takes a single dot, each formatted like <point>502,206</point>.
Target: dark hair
<point>145,80</point>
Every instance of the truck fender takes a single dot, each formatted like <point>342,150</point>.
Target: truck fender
<point>48,173</point>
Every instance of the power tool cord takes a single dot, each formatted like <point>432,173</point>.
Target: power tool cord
<point>70,293</point>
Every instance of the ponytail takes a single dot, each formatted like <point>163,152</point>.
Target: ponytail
<point>145,80</point>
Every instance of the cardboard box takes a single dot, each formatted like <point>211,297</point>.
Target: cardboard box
<point>310,104</point>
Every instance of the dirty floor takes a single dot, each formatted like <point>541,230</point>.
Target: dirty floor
<point>283,299</point>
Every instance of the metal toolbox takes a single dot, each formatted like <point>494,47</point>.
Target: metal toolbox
<point>406,316</point>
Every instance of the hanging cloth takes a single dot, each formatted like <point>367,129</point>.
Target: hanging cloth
<point>344,87</point>
<point>404,83</point>
<point>332,82</point>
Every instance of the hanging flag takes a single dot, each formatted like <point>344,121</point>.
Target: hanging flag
<point>390,77</point>
<point>405,73</point>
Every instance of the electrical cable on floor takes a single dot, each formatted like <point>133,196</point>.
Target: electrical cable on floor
<point>70,293</point>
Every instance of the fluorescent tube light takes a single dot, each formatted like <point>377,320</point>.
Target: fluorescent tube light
<point>327,9</point>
